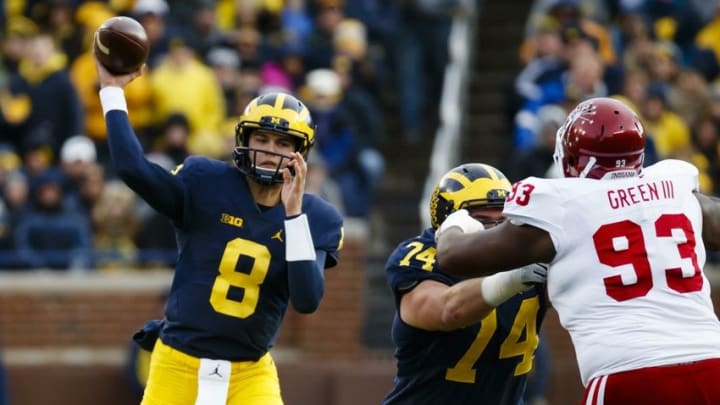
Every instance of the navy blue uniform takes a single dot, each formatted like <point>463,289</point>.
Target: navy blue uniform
<point>230,290</point>
<point>485,363</point>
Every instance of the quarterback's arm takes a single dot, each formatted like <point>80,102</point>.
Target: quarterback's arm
<point>501,248</point>
<point>157,186</point>
<point>711,220</point>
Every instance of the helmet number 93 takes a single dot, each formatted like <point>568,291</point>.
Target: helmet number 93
<point>249,282</point>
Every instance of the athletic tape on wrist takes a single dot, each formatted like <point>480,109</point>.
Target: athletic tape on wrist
<point>500,287</point>
<point>299,244</point>
<point>112,98</point>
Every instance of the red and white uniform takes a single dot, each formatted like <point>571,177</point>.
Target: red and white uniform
<point>627,279</point>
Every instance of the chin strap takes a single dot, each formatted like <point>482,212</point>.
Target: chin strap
<point>589,166</point>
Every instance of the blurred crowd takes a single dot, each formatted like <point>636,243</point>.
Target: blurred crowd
<point>62,206</point>
<point>661,56</point>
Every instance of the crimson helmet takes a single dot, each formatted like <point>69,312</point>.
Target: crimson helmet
<point>601,138</point>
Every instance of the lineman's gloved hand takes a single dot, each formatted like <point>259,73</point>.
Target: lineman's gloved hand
<point>535,273</point>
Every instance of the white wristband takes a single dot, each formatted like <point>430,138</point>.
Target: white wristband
<point>112,98</point>
<point>299,244</point>
<point>499,287</point>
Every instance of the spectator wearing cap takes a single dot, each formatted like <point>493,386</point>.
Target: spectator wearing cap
<point>173,141</point>
<point>356,168</point>
<point>76,155</point>
<point>37,156</point>
<point>51,235</point>
<point>152,15</point>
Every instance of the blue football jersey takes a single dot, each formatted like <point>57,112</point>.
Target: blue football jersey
<point>230,289</point>
<point>485,363</point>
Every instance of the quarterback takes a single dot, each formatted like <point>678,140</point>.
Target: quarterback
<point>250,242</point>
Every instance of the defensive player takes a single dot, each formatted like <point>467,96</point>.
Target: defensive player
<point>249,242</point>
<point>452,345</point>
<point>626,247</point>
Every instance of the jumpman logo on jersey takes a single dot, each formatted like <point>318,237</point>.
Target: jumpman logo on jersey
<point>216,372</point>
<point>278,235</point>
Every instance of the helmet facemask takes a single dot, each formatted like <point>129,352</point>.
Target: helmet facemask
<point>276,113</point>
<point>246,165</point>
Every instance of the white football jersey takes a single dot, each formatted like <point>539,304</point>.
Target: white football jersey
<point>627,279</point>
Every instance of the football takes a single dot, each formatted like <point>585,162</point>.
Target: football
<point>121,45</point>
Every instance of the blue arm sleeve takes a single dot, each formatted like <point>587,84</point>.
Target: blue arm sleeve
<point>157,186</point>
<point>306,281</point>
